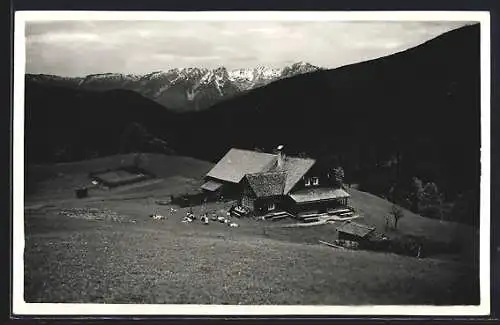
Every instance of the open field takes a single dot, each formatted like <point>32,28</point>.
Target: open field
<point>123,256</point>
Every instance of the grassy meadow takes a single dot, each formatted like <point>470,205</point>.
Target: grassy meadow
<point>116,253</point>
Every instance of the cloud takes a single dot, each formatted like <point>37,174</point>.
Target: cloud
<point>84,47</point>
<point>64,37</point>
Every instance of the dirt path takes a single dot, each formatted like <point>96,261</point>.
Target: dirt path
<point>323,221</point>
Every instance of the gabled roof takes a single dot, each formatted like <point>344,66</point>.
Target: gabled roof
<point>267,184</point>
<point>295,168</point>
<point>355,229</point>
<point>318,194</point>
<point>237,163</point>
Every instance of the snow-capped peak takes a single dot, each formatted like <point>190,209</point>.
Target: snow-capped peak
<point>248,78</point>
<point>300,67</point>
<point>108,76</point>
<point>252,75</point>
<point>200,86</point>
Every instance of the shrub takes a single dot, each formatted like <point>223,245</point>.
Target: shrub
<point>397,213</point>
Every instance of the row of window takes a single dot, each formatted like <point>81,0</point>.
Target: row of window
<point>311,181</point>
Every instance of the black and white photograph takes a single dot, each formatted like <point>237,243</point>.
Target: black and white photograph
<point>251,162</point>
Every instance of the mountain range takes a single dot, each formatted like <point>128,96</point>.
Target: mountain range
<point>181,90</point>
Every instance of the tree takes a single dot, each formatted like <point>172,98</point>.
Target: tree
<point>138,160</point>
<point>416,193</point>
<point>63,153</point>
<point>430,193</point>
<point>432,201</point>
<point>466,208</point>
<point>134,138</point>
<point>397,213</point>
<point>386,226</point>
<point>337,176</point>
<point>302,154</point>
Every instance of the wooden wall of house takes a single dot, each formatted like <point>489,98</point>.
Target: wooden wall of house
<point>313,172</point>
<point>262,204</point>
<point>320,206</point>
<point>288,204</point>
<point>247,196</point>
<point>231,191</point>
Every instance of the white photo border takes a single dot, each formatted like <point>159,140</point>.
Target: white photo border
<point>20,307</point>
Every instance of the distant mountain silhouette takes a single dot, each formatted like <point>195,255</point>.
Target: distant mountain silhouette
<point>67,124</point>
<point>420,107</point>
<point>181,90</point>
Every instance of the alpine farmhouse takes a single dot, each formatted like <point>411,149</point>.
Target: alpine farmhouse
<point>266,183</point>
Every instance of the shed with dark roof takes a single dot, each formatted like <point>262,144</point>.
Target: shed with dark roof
<point>354,231</point>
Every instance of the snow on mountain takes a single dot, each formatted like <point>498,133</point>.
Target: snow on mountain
<point>178,88</point>
<point>298,68</point>
<point>245,74</point>
<point>264,72</point>
<point>250,78</point>
<point>112,76</point>
<point>192,73</point>
<point>256,77</point>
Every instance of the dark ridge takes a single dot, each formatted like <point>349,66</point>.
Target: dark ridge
<point>64,124</point>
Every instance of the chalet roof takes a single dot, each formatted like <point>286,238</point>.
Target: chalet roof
<point>355,229</point>
<point>267,184</point>
<point>318,194</point>
<point>237,163</point>
<point>295,168</point>
<point>211,185</point>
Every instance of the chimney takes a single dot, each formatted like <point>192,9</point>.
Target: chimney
<point>281,156</point>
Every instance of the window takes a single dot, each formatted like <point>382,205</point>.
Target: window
<point>271,206</point>
<point>315,181</point>
<point>307,182</point>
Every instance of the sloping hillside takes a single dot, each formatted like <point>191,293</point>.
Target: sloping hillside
<point>170,263</point>
<point>64,124</point>
<point>179,174</point>
<point>134,259</point>
<point>58,181</point>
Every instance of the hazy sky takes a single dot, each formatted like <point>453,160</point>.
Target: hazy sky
<point>75,48</point>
